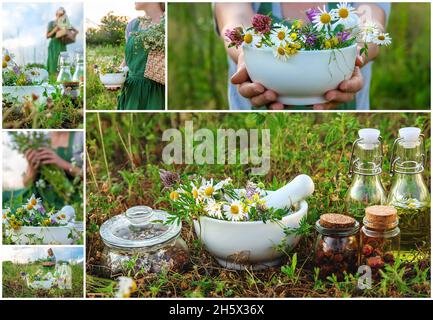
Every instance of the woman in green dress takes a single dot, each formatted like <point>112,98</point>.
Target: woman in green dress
<point>56,46</point>
<point>139,92</point>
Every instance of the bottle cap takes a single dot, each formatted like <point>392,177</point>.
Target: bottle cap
<point>380,216</point>
<point>370,137</point>
<point>410,136</point>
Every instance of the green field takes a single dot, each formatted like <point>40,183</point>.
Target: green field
<point>97,97</point>
<point>15,287</point>
<point>124,158</point>
<point>198,65</point>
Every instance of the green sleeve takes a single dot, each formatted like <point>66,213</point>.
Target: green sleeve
<point>51,26</point>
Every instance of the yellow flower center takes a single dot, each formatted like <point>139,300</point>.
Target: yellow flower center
<point>343,13</point>
<point>248,38</point>
<point>208,191</point>
<point>29,206</point>
<point>4,64</point>
<point>281,51</point>
<point>281,35</point>
<point>33,202</point>
<point>195,193</point>
<point>174,195</point>
<point>234,209</point>
<point>325,18</point>
<point>7,58</point>
<point>381,37</point>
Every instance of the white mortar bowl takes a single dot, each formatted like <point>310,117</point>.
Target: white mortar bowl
<point>236,245</point>
<point>23,93</point>
<point>48,235</point>
<point>305,77</point>
<point>113,80</point>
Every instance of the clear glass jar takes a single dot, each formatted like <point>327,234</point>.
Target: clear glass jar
<point>79,68</point>
<point>409,193</point>
<point>140,242</point>
<point>380,238</point>
<point>365,168</point>
<point>337,245</point>
<point>64,65</point>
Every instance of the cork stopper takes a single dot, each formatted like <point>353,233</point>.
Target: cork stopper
<point>380,216</point>
<point>336,221</point>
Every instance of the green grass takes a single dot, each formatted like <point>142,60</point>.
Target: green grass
<point>197,62</point>
<point>97,96</point>
<point>15,287</point>
<point>315,144</point>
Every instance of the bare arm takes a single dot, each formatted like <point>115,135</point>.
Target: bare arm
<point>231,15</point>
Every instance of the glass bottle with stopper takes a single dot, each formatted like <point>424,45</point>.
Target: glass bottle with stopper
<point>365,166</point>
<point>409,193</point>
<point>64,68</point>
<point>79,68</point>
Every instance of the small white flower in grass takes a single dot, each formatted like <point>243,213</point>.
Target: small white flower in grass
<point>280,35</point>
<point>125,287</point>
<point>213,209</point>
<point>381,39</point>
<point>222,184</point>
<point>323,19</point>
<point>252,39</point>
<point>281,53</point>
<point>345,15</point>
<point>33,203</point>
<point>235,211</point>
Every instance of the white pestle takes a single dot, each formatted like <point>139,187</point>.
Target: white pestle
<point>296,190</point>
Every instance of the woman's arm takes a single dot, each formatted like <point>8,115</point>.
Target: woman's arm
<point>32,169</point>
<point>53,31</point>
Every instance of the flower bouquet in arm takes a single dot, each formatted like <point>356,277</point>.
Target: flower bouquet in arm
<point>152,38</point>
<point>239,226</point>
<point>300,60</point>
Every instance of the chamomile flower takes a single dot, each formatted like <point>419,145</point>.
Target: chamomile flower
<point>367,32</point>
<point>252,39</point>
<point>235,211</point>
<point>323,19</point>
<point>345,15</point>
<point>280,34</point>
<point>381,39</point>
<point>125,287</point>
<point>213,209</point>
<point>207,189</point>
<point>33,203</point>
<point>222,184</point>
<point>281,53</point>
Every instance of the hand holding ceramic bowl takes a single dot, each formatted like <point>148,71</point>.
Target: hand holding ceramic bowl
<point>307,78</point>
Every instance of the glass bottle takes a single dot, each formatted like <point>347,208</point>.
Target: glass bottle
<point>380,238</point>
<point>365,166</point>
<point>64,68</point>
<point>337,246</point>
<point>79,68</point>
<point>409,193</point>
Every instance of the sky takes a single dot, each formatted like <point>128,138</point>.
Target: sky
<point>25,24</point>
<point>14,165</point>
<point>94,11</point>
<point>27,254</point>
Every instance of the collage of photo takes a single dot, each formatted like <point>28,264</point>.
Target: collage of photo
<point>269,150</point>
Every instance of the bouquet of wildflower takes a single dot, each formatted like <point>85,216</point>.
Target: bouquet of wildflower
<point>217,200</point>
<point>336,29</point>
<point>15,75</point>
<point>153,35</point>
<point>52,178</point>
<point>108,64</point>
<point>33,214</point>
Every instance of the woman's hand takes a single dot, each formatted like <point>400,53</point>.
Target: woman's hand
<point>258,94</point>
<point>48,156</point>
<point>32,169</point>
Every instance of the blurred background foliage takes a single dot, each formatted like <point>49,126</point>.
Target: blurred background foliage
<point>197,60</point>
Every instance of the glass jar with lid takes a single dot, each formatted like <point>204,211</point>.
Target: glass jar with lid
<point>380,238</point>
<point>337,246</point>
<point>140,241</point>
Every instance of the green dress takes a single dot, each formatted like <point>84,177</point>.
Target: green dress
<point>139,93</point>
<point>266,9</point>
<point>48,197</point>
<point>54,48</point>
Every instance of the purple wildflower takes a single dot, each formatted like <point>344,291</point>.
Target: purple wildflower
<point>310,40</point>
<point>17,70</point>
<point>262,23</point>
<point>312,13</point>
<point>41,209</point>
<point>343,36</point>
<point>168,178</point>
<point>251,189</point>
<point>235,37</point>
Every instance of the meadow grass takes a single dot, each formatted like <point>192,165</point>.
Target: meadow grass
<point>197,62</point>
<point>15,287</point>
<point>127,174</point>
<point>97,96</point>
